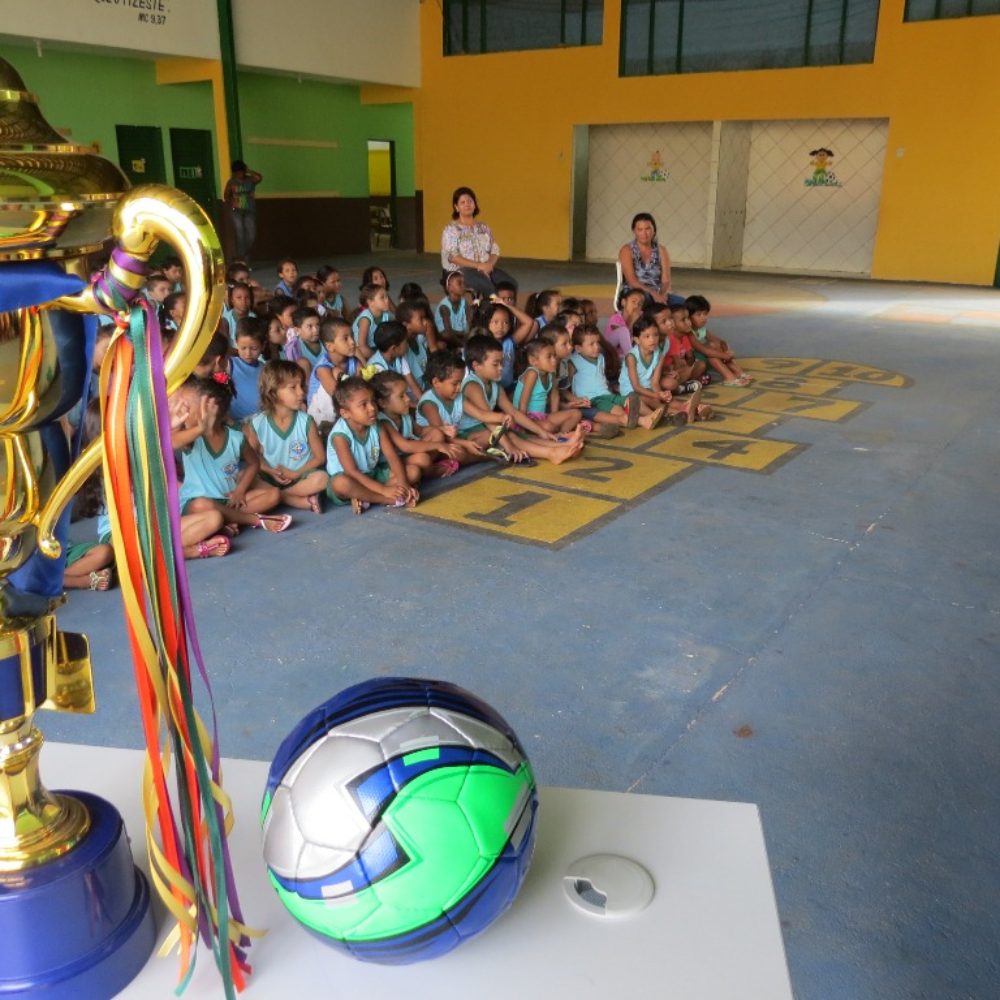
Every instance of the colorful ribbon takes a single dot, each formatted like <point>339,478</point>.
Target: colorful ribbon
<point>190,866</point>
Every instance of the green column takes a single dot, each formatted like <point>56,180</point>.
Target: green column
<point>227,51</point>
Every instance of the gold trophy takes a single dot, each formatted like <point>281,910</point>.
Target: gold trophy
<point>75,919</point>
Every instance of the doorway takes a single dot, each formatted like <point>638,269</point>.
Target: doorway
<point>191,150</point>
<point>382,209</point>
<point>140,153</point>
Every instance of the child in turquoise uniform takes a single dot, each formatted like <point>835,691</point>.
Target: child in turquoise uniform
<point>591,385</point>
<point>245,368</point>
<point>511,328</point>
<point>286,439</point>
<point>332,298</point>
<point>391,345</point>
<point>488,415</point>
<point>239,306</point>
<point>451,314</point>
<point>537,391</point>
<point>375,310</point>
<point>288,273</point>
<point>353,453</point>
<point>431,454</point>
<point>439,410</point>
<point>413,315</point>
<point>220,467</point>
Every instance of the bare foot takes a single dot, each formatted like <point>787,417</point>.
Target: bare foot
<point>563,454</point>
<point>704,412</point>
<point>650,422</point>
<point>359,506</point>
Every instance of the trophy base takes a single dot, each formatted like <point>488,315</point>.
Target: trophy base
<point>81,925</point>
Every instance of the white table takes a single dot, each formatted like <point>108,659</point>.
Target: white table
<point>710,932</point>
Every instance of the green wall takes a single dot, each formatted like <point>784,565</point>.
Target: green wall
<point>274,107</point>
<point>91,94</point>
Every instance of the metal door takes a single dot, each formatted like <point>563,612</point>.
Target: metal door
<point>140,153</point>
<point>194,165</point>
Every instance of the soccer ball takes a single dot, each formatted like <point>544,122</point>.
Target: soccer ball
<point>399,819</point>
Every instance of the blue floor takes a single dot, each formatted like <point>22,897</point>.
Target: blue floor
<point>821,640</point>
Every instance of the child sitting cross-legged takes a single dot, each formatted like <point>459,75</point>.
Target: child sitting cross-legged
<point>642,373</point>
<point>710,348</point>
<point>439,409</point>
<point>422,456</point>
<point>591,385</point>
<point>361,470</point>
<point>286,439</point>
<point>488,415</point>
<point>537,390</point>
<point>220,466</point>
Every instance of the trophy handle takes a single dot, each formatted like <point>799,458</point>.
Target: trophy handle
<point>144,216</point>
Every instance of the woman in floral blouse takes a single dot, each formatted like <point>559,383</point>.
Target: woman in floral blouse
<point>468,246</point>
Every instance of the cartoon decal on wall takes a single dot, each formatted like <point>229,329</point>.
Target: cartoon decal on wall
<point>657,169</point>
<point>822,175</point>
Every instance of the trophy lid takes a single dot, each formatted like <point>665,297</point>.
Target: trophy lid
<point>56,197</point>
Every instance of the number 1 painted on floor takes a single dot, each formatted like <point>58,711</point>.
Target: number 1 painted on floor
<point>504,517</point>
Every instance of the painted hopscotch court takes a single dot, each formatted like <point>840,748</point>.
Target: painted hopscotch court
<point>553,505</point>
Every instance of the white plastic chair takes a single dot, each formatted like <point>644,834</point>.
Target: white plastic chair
<point>619,281</point>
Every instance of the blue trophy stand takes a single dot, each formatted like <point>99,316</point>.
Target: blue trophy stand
<point>79,927</point>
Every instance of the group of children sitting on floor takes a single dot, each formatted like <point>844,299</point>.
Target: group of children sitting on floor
<point>300,397</point>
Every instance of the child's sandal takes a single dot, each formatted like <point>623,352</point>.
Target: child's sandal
<point>359,506</point>
<point>495,435</point>
<point>217,545</point>
<point>100,579</point>
<point>273,522</point>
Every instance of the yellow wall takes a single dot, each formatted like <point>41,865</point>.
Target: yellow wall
<point>503,124</point>
<point>379,172</point>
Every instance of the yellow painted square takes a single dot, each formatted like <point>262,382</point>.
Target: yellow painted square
<point>738,421</point>
<point>630,440</point>
<point>698,444</point>
<point>522,510</point>
<point>607,472</point>
<point>806,386</point>
<point>810,407</point>
<point>777,366</point>
<point>860,373</point>
<point>723,395</point>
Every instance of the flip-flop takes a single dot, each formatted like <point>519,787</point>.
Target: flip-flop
<point>100,579</point>
<point>632,408</point>
<point>495,435</point>
<point>499,455</point>
<point>359,506</point>
<point>273,522</point>
<point>217,545</point>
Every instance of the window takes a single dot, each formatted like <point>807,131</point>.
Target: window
<point>931,10</point>
<point>475,26</point>
<point>693,36</point>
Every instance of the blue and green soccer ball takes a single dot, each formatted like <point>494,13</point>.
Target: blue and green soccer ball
<point>399,819</point>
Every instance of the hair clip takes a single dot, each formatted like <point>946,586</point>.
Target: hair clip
<point>369,372</point>
<point>221,378</point>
